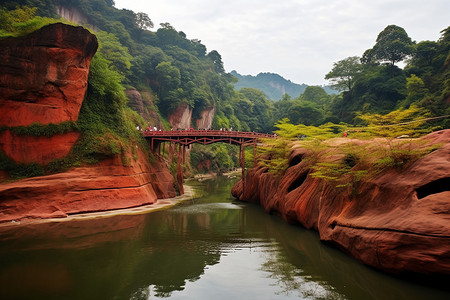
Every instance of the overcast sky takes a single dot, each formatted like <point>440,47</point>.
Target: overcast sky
<point>298,39</point>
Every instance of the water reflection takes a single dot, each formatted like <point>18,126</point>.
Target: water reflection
<point>204,247</point>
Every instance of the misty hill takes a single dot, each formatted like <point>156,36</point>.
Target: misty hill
<point>272,85</point>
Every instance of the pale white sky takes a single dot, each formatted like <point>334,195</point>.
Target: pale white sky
<point>298,39</point>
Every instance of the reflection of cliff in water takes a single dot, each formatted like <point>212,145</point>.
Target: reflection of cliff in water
<point>69,259</point>
<point>157,254</point>
<point>305,259</point>
<point>81,233</point>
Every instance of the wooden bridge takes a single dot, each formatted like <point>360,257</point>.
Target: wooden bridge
<point>184,138</point>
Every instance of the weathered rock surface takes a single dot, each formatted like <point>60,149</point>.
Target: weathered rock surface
<point>206,118</point>
<point>43,76</point>
<point>43,79</point>
<point>40,149</point>
<point>398,222</point>
<point>136,103</point>
<point>108,185</point>
<point>181,117</point>
<point>142,103</point>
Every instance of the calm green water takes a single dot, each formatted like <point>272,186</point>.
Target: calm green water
<point>207,248</point>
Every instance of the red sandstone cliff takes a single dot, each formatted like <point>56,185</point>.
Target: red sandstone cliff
<point>108,185</point>
<point>181,117</point>
<point>398,221</point>
<point>43,78</point>
<point>206,118</point>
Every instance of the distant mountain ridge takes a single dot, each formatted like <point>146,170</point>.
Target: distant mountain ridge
<point>272,85</point>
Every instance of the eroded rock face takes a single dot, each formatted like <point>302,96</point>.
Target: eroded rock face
<point>135,102</point>
<point>398,222</point>
<point>206,118</point>
<point>40,149</point>
<point>108,185</point>
<point>43,79</point>
<point>181,118</point>
<point>43,76</point>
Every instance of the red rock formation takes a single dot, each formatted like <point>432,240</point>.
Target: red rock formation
<point>108,185</point>
<point>398,221</point>
<point>43,76</point>
<point>182,116</point>
<point>43,79</point>
<point>206,118</point>
<point>142,103</point>
<point>40,149</point>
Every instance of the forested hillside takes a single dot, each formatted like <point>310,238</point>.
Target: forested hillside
<point>164,68</point>
<point>273,85</point>
<point>170,71</point>
<point>373,83</point>
<point>173,69</point>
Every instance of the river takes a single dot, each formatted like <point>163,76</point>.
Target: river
<point>209,247</point>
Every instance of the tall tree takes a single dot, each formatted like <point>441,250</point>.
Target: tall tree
<point>344,72</point>
<point>392,45</point>
<point>143,21</point>
<point>216,58</point>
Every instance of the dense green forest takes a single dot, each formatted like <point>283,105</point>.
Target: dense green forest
<point>169,69</point>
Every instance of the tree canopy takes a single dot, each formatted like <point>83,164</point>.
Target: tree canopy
<point>344,73</point>
<point>392,45</point>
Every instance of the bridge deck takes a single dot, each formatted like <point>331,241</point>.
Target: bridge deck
<point>187,137</point>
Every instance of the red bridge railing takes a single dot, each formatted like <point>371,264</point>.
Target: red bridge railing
<point>187,137</point>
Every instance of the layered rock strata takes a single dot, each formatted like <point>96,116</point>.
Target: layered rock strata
<point>398,221</point>
<point>43,76</point>
<point>105,186</point>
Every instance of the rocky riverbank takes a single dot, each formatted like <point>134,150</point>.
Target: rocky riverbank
<point>397,221</point>
<point>102,187</point>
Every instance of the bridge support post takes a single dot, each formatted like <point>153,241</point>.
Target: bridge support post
<point>180,169</point>
<point>242,161</point>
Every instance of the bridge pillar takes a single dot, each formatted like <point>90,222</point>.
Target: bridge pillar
<point>180,169</point>
<point>242,163</point>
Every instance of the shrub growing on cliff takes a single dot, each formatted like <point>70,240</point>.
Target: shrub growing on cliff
<point>396,123</point>
<point>22,21</point>
<point>10,18</point>
<point>274,155</point>
<point>106,123</point>
<point>19,170</point>
<point>36,129</point>
<point>345,162</point>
